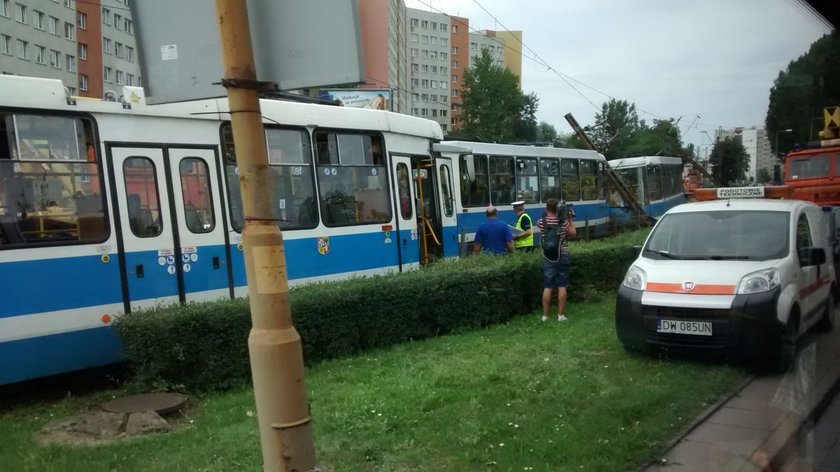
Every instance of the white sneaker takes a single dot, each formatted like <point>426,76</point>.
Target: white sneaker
<point>544,318</point>
<point>562,318</point>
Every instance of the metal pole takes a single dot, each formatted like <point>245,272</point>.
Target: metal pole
<point>274,344</point>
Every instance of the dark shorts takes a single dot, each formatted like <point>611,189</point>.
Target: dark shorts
<point>556,274</point>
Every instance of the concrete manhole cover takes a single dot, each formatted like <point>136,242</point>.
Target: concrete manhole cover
<point>161,403</point>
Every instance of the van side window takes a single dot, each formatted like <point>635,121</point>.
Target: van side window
<point>803,234</point>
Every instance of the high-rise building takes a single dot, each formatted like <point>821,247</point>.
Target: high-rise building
<point>488,40</point>
<point>460,39</point>
<point>383,31</point>
<point>757,145</point>
<point>429,59</point>
<point>88,45</point>
<point>512,51</point>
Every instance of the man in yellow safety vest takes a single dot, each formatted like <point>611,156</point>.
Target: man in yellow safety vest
<point>524,240</point>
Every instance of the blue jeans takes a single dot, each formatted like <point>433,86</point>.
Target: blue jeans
<point>556,274</point>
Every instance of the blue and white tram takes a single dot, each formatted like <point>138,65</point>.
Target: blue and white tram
<point>500,174</point>
<point>108,207</point>
<point>656,182</point>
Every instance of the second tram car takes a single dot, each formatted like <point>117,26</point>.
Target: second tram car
<point>656,182</point>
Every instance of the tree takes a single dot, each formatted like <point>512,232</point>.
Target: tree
<point>495,109</point>
<point>614,125</point>
<point>801,91</point>
<point>546,133</point>
<point>730,161</point>
<point>763,176</point>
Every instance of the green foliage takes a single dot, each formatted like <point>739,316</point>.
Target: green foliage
<point>546,133</point>
<point>202,346</point>
<point>614,125</point>
<point>730,161</point>
<point>800,92</point>
<point>495,109</point>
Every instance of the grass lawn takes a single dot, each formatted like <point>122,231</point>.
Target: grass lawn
<point>526,394</point>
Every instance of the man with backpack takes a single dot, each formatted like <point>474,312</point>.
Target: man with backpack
<point>556,227</point>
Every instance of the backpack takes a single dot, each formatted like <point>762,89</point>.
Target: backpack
<point>550,241</point>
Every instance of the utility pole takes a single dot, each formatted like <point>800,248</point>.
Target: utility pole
<point>274,344</point>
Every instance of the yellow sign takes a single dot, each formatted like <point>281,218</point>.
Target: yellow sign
<point>831,115</point>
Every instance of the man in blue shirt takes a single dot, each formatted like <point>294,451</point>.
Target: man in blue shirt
<point>494,236</point>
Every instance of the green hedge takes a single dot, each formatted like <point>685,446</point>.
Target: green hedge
<point>202,346</point>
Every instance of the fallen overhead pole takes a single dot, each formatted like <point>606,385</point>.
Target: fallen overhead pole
<point>614,179</point>
<point>701,169</point>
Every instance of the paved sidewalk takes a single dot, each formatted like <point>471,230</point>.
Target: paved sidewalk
<point>757,427</point>
<point>818,445</point>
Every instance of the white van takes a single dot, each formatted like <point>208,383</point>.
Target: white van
<point>745,276</point>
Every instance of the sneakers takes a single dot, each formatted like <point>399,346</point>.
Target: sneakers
<point>562,318</point>
<point>544,318</point>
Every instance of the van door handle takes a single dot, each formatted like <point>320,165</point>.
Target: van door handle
<point>215,262</point>
<point>139,270</point>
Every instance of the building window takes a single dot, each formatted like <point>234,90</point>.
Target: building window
<point>454,92</point>
<point>414,111</point>
<point>118,21</point>
<point>434,25</point>
<point>443,70</point>
<point>433,55</point>
<point>424,39</point>
<point>128,26</point>
<point>424,112</point>
<point>443,84</point>
<point>52,24</point>
<point>119,77</point>
<point>424,97</point>
<point>71,63</point>
<point>83,82</point>
<point>414,37</point>
<point>40,54</point>
<point>72,90</point>
<point>106,16</point>
<point>415,82</point>
<point>473,47</point>
<point>413,52</point>
<point>414,22</point>
<point>434,69</point>
<point>443,113</point>
<point>83,51</point>
<point>4,8</point>
<point>55,59</point>
<point>118,49</point>
<point>106,45</point>
<point>82,22</point>
<point>107,74</point>
<point>38,20</point>
<point>22,49</point>
<point>454,79</point>
<point>129,79</point>
<point>129,54</point>
<point>444,56</point>
<point>434,84</point>
<point>425,54</point>
<point>454,29</point>
<point>6,44</point>
<point>443,26</point>
<point>69,31</point>
<point>433,98</point>
<point>454,64</point>
<point>434,113</point>
<point>454,50</point>
<point>424,24</point>
<point>425,68</point>
<point>444,41</point>
<point>425,82</point>
<point>415,67</point>
<point>20,13</point>
<point>444,99</point>
<point>433,40</point>
<point>69,4</point>
<point>415,97</point>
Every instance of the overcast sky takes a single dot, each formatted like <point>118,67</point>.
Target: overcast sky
<point>672,58</point>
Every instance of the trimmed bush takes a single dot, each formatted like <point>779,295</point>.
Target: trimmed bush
<point>202,346</point>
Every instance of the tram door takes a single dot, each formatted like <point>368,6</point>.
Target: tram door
<point>448,228</point>
<point>406,230</point>
<point>172,232</point>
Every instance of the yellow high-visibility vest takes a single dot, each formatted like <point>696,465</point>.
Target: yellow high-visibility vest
<point>528,241</point>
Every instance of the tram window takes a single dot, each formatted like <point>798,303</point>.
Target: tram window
<point>570,171</point>
<point>474,188</point>
<point>527,180</point>
<point>588,180</point>
<point>353,182</point>
<point>501,180</point>
<point>404,189</point>
<point>630,178</point>
<point>196,195</point>
<point>654,182</point>
<point>50,182</point>
<point>446,189</point>
<point>142,197</point>
<point>602,181</point>
<point>291,176</point>
<point>550,178</point>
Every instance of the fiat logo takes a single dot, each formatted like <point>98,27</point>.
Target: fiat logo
<point>688,286</point>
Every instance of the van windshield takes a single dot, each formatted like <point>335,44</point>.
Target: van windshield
<point>720,235</point>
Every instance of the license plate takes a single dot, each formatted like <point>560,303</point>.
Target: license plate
<point>697,328</point>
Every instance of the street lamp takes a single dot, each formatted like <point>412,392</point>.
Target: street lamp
<point>789,130</point>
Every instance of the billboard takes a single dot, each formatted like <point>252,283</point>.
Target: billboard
<point>295,45</point>
<point>374,99</point>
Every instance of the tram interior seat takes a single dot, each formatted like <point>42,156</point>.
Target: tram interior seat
<point>9,230</point>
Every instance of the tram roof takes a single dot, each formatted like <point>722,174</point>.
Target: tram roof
<point>469,147</point>
<point>50,94</point>
<point>643,161</point>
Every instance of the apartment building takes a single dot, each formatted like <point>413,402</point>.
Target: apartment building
<point>383,31</point>
<point>89,45</point>
<point>460,39</point>
<point>430,64</point>
<point>757,145</point>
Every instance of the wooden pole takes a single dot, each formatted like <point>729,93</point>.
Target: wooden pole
<point>274,345</point>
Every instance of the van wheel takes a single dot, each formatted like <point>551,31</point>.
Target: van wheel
<point>782,355</point>
<point>826,323</point>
